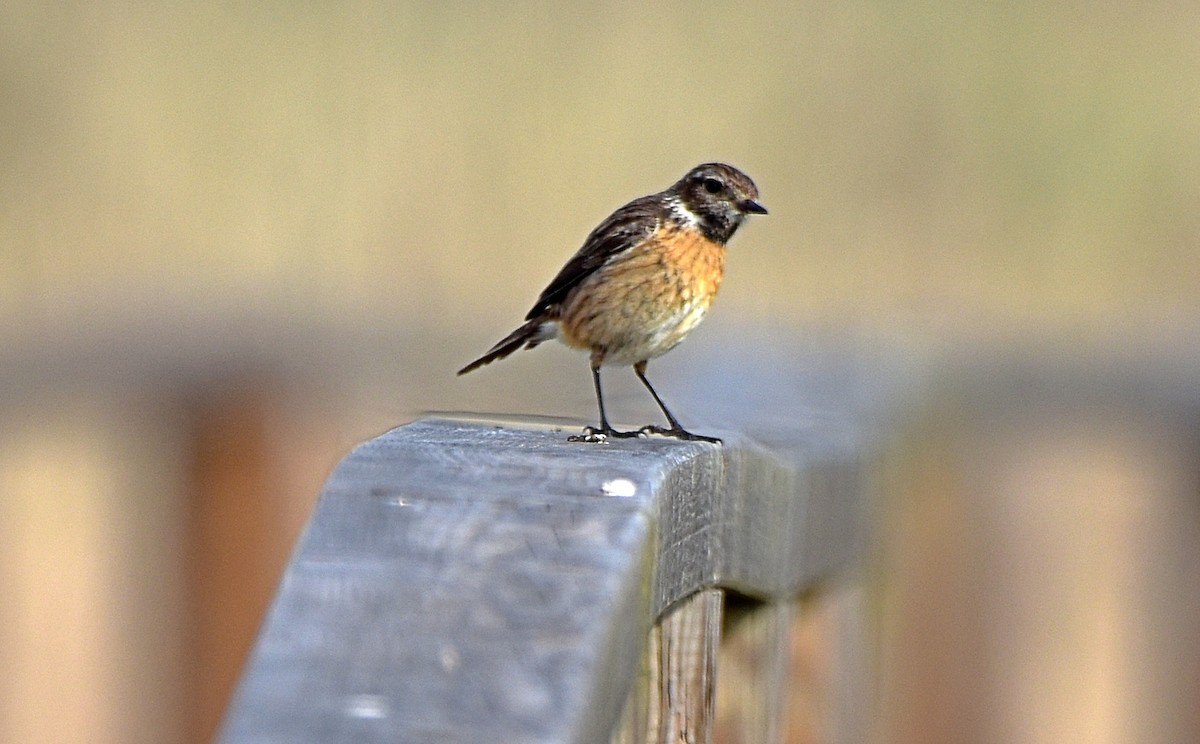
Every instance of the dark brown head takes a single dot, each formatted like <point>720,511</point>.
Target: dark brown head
<point>717,197</point>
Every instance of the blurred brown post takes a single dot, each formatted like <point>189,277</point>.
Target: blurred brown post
<point>239,534</point>
<point>1042,560</point>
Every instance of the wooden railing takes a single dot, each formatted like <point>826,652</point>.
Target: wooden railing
<point>472,582</point>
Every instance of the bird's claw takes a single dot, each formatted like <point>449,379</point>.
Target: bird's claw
<point>675,432</point>
<point>593,435</point>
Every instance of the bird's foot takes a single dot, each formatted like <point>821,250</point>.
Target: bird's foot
<point>675,432</point>
<point>602,435</point>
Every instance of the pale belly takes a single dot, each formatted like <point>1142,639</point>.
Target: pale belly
<point>629,343</point>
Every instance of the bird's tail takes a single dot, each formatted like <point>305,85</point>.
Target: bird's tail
<point>529,335</point>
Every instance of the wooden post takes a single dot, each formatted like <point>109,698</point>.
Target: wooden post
<point>673,699</point>
<point>465,582</point>
<point>688,638</point>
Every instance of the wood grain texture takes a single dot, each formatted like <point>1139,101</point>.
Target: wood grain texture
<point>462,582</point>
<point>688,637</point>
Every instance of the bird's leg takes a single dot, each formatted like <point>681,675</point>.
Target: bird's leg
<point>676,430</point>
<point>601,435</point>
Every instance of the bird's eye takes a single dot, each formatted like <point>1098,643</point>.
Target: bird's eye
<point>713,186</point>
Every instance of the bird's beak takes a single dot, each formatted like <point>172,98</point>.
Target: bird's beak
<point>752,207</point>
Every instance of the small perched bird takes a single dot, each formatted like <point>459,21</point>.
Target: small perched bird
<point>642,280</point>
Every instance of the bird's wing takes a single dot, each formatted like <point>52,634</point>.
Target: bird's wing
<point>623,229</point>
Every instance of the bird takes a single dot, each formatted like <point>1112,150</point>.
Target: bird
<point>643,279</point>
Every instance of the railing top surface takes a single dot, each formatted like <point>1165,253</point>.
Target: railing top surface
<point>463,581</point>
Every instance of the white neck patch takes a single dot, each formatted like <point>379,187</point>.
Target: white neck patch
<point>680,211</point>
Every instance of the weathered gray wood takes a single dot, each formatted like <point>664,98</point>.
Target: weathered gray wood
<point>464,582</point>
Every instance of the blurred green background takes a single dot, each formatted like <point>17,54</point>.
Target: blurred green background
<point>932,168</point>
<point>235,239</point>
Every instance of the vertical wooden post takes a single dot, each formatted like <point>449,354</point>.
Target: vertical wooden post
<point>688,637</point>
<point>238,539</point>
<point>674,699</point>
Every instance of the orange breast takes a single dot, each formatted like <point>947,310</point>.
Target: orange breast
<point>645,301</point>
